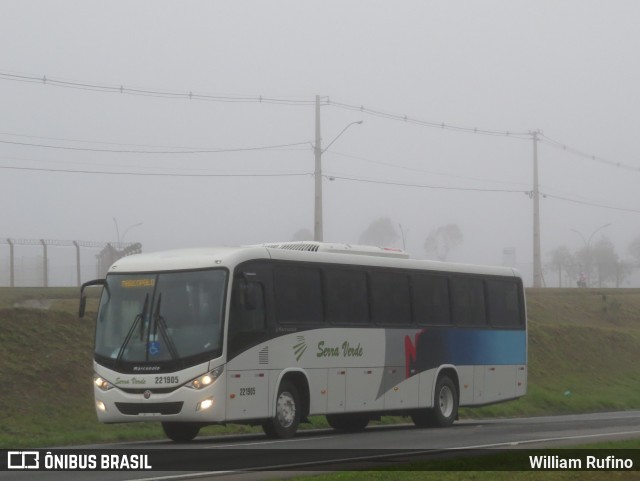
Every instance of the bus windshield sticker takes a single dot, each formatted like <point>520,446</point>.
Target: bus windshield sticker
<point>154,348</point>
<point>132,283</point>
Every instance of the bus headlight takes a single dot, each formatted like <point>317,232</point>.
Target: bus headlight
<point>206,379</point>
<point>102,383</point>
<point>101,407</point>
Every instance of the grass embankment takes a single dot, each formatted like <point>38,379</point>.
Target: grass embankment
<point>584,349</point>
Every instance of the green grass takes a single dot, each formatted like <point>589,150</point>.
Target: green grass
<point>481,468</point>
<point>583,352</point>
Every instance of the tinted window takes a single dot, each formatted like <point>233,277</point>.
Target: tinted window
<point>346,292</point>
<point>431,300</point>
<point>390,298</point>
<point>467,297</point>
<point>247,319</point>
<point>298,295</point>
<point>504,303</point>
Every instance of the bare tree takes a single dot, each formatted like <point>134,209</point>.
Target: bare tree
<point>441,240</point>
<point>562,260</point>
<point>602,263</point>
<point>381,232</point>
<point>634,251</point>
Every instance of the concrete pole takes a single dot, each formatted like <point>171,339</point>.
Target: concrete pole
<point>318,227</point>
<point>537,261</point>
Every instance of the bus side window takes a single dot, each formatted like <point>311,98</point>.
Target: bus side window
<point>247,319</point>
<point>504,303</point>
<point>468,304</point>
<point>390,298</point>
<point>430,300</point>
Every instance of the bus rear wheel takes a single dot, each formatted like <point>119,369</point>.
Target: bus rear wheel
<point>445,406</point>
<point>445,402</point>
<point>348,422</point>
<point>181,432</point>
<point>285,423</point>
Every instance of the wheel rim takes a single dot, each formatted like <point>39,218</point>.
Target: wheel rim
<point>286,409</point>
<point>446,401</point>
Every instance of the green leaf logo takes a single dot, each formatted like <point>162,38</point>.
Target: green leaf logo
<point>300,347</point>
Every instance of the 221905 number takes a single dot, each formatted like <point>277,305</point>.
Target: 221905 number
<point>247,391</point>
<point>167,380</point>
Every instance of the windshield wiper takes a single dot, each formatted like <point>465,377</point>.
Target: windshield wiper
<point>158,321</point>
<point>139,319</point>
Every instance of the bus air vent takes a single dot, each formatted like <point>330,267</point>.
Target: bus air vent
<point>263,355</point>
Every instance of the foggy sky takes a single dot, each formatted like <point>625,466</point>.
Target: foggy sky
<point>569,68</point>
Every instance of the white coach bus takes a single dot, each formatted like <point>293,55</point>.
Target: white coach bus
<point>271,334</point>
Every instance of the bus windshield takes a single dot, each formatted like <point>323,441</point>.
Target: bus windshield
<point>171,318</point>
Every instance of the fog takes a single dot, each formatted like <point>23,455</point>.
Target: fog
<point>75,156</point>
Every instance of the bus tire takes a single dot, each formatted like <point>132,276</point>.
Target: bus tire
<point>285,423</point>
<point>445,402</point>
<point>349,423</point>
<point>181,432</point>
<point>423,418</point>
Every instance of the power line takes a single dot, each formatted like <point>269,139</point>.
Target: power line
<point>131,151</point>
<point>559,145</point>
<point>152,174</point>
<point>115,165</point>
<point>190,95</point>
<point>424,171</point>
<point>427,123</point>
<point>592,204</point>
<point>149,92</point>
<point>473,189</point>
<point>422,186</point>
<point>102,142</point>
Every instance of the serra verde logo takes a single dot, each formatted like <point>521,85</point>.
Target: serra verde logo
<point>343,350</point>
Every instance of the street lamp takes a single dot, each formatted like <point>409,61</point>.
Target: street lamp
<point>318,151</point>
<point>587,245</point>
<point>121,239</point>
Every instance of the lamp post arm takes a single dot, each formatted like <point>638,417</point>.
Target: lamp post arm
<point>340,134</point>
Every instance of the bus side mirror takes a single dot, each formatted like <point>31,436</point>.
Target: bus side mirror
<point>83,297</point>
<point>83,305</point>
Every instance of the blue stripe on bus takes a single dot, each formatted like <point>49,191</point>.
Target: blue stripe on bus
<point>433,347</point>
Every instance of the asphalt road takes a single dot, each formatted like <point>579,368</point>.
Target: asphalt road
<point>373,446</point>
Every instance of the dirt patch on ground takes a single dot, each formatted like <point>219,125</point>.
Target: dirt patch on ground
<point>35,304</point>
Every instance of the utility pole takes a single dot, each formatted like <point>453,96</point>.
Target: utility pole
<point>537,262</point>
<point>317,228</point>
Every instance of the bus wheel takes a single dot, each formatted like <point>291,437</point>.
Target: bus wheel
<point>350,423</point>
<point>285,424</point>
<point>445,402</point>
<point>423,418</point>
<point>181,432</point>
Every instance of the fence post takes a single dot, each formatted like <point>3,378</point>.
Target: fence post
<point>77,261</point>
<point>12,268</point>
<point>45,270</point>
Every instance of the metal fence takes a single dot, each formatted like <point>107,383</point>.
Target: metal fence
<point>51,262</point>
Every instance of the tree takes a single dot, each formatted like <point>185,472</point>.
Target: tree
<point>602,263</point>
<point>302,235</point>
<point>562,260</point>
<point>380,233</point>
<point>441,240</point>
<point>634,251</point>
